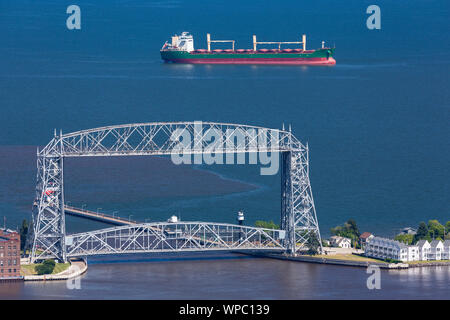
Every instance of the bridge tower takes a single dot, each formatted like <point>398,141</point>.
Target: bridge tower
<point>298,213</point>
<point>49,229</point>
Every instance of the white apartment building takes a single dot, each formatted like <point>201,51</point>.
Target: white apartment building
<point>424,249</point>
<point>413,253</point>
<point>446,254</point>
<point>383,248</point>
<point>436,250</point>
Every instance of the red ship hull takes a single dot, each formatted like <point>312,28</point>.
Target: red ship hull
<point>282,61</point>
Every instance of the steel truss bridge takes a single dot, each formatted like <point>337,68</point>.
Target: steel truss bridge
<point>168,237</point>
<point>298,215</point>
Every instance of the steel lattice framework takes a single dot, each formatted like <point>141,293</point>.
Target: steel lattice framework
<point>169,237</point>
<point>298,214</point>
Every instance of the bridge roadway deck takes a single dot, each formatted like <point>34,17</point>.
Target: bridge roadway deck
<point>98,216</point>
<point>102,217</point>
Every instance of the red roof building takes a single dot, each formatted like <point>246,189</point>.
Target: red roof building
<point>365,237</point>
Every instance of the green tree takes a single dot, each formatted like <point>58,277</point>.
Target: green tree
<point>325,243</point>
<point>435,229</point>
<point>352,227</point>
<point>313,244</point>
<point>447,230</point>
<point>338,230</point>
<point>422,232</point>
<point>348,230</point>
<point>405,238</point>
<point>266,224</point>
<point>23,233</point>
<point>46,267</point>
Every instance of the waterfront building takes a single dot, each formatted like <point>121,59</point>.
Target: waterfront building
<point>341,242</point>
<point>446,254</point>
<point>424,249</point>
<point>413,253</point>
<point>364,238</point>
<point>9,255</point>
<point>436,250</point>
<point>383,248</point>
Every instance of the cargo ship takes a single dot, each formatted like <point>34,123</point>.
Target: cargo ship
<point>181,50</point>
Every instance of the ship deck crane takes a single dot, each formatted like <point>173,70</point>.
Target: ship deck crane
<point>303,42</point>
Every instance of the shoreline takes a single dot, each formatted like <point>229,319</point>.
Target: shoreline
<point>445,263</point>
<point>348,263</point>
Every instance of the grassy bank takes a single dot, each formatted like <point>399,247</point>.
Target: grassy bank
<point>28,269</point>
<point>428,262</point>
<point>348,257</point>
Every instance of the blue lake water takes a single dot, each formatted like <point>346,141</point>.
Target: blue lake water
<point>377,123</point>
<point>230,276</point>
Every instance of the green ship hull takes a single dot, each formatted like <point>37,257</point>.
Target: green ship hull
<point>287,56</point>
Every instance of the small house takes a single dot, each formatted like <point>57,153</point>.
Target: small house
<point>340,242</point>
<point>408,230</point>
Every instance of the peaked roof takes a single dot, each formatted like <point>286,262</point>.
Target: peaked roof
<point>421,243</point>
<point>365,235</point>
<point>435,243</point>
<point>340,239</point>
